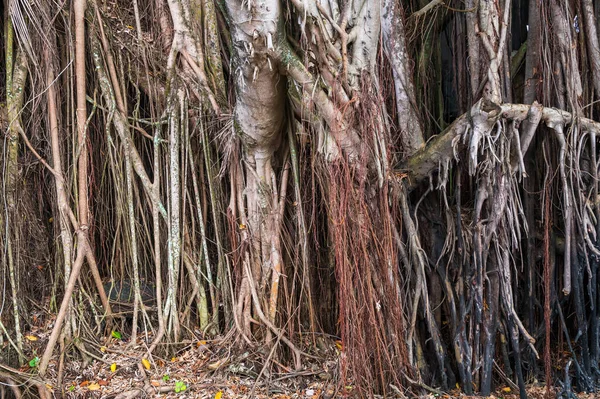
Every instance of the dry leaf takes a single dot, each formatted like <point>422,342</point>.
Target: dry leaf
<point>155,383</point>
<point>31,337</point>
<point>84,383</point>
<point>102,383</point>
<point>146,363</point>
<point>506,389</point>
<point>217,364</point>
<point>103,349</point>
<point>173,359</point>
<point>93,387</point>
<point>201,343</point>
<point>218,395</point>
<point>113,367</point>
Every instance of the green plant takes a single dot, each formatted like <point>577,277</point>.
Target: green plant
<point>180,386</point>
<point>34,362</point>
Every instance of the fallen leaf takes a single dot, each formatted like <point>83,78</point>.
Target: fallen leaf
<point>103,349</point>
<point>218,395</point>
<point>84,383</point>
<point>155,383</point>
<point>113,367</point>
<point>201,343</point>
<point>173,359</point>
<point>339,345</point>
<point>102,383</point>
<point>217,364</point>
<point>506,389</point>
<point>146,364</point>
<point>93,387</point>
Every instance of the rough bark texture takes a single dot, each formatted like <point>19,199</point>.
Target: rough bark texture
<point>394,39</point>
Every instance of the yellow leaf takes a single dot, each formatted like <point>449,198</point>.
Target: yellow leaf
<point>339,345</point>
<point>173,359</point>
<point>217,364</point>
<point>242,226</point>
<point>201,343</point>
<point>506,389</point>
<point>113,367</point>
<point>51,220</point>
<point>31,337</point>
<point>218,395</point>
<point>93,387</point>
<point>50,387</point>
<point>146,363</point>
<point>103,349</point>
<point>457,385</point>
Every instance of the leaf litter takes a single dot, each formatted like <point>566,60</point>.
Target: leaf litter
<point>203,369</point>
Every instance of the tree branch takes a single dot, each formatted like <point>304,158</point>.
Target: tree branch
<point>446,146</point>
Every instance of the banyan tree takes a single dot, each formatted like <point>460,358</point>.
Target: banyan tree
<point>418,178</point>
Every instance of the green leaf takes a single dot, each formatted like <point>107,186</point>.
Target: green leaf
<point>166,377</point>
<point>180,386</point>
<point>34,362</point>
<point>116,334</point>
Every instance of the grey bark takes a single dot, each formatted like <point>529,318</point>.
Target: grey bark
<point>392,26</point>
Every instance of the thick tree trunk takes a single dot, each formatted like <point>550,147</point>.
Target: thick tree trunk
<point>259,123</point>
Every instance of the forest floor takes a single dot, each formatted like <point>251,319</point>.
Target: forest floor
<point>115,367</point>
